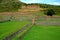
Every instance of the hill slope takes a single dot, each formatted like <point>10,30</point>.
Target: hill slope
<point>9,5</point>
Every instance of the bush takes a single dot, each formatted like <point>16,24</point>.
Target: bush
<point>49,12</point>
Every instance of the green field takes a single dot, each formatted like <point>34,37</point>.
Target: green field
<point>43,33</point>
<point>45,28</point>
<point>9,27</point>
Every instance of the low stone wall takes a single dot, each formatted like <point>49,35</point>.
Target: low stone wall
<point>16,16</point>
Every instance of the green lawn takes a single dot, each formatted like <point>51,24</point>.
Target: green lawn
<point>17,37</point>
<point>9,27</point>
<point>43,33</point>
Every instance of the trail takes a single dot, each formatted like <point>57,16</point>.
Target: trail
<point>9,37</point>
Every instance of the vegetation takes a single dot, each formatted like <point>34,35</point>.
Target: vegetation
<point>9,5</point>
<point>8,28</point>
<point>13,21</point>
<point>56,8</point>
<point>43,33</point>
<point>50,12</point>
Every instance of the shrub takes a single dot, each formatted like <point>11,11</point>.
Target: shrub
<point>49,12</point>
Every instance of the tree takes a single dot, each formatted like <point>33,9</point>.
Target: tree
<point>50,12</point>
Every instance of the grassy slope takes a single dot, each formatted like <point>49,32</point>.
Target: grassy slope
<point>9,27</point>
<point>43,33</point>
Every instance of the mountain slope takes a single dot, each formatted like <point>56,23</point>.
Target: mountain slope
<point>9,5</point>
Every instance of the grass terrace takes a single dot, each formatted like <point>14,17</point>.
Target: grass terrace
<point>43,33</point>
<point>9,27</point>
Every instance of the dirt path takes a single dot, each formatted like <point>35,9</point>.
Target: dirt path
<point>9,37</point>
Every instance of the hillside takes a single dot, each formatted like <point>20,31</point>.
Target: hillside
<point>44,7</point>
<point>15,5</point>
<point>9,5</point>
